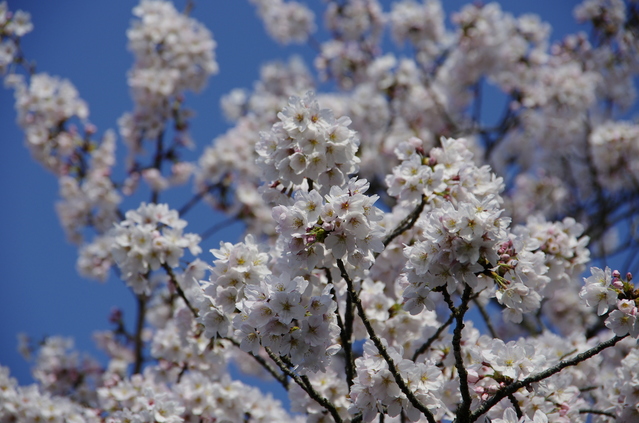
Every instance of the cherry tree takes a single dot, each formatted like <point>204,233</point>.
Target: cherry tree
<point>402,260</point>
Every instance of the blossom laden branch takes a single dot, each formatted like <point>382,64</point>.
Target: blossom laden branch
<point>381,348</point>
<point>304,383</point>
<point>459,312</point>
<point>515,386</point>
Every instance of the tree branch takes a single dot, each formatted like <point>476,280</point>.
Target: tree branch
<point>463,412</point>
<point>380,347</point>
<point>305,385</point>
<point>345,332</point>
<point>139,327</point>
<point>515,386</point>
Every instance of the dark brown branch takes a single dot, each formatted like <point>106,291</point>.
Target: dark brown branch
<point>380,347</point>
<point>306,386</point>
<point>139,327</point>
<point>486,317</point>
<point>157,163</point>
<point>426,345</point>
<point>463,412</point>
<point>407,223</point>
<point>178,288</point>
<point>345,332</point>
<point>281,378</point>
<point>516,406</point>
<point>599,412</point>
<point>515,386</point>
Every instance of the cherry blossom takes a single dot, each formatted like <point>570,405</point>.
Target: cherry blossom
<point>402,259</point>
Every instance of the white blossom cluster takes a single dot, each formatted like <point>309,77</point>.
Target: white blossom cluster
<point>139,399</point>
<point>13,26</point>
<point>606,290</point>
<point>465,238</point>
<point>355,19</point>
<point>228,400</point>
<point>375,388</point>
<point>272,311</point>
<point>195,398</point>
<point>327,286</point>
<point>286,21</point>
<point>422,24</point>
<point>278,314</point>
<point>173,54</point>
<point>342,224</point>
<point>93,199</point>
<point>563,245</point>
<point>230,161</point>
<point>44,105</point>
<point>623,389</point>
<point>147,239</point>
<point>615,147</point>
<point>447,172</point>
<point>176,344</point>
<point>492,363</point>
<point>536,194</point>
<point>95,260</point>
<point>62,371</point>
<point>236,267</point>
<point>28,403</point>
<point>310,143</point>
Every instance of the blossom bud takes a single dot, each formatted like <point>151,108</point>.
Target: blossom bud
<point>628,276</point>
<point>616,274</point>
<point>115,316</point>
<point>90,129</point>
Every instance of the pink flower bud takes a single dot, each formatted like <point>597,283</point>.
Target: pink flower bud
<point>473,377</point>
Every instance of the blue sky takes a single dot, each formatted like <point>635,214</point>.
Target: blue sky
<point>40,291</point>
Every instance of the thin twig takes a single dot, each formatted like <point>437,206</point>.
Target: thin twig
<point>157,164</point>
<point>426,345</point>
<point>178,288</point>
<point>281,378</point>
<point>218,226</point>
<point>486,318</point>
<point>196,199</point>
<point>600,412</point>
<point>407,223</point>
